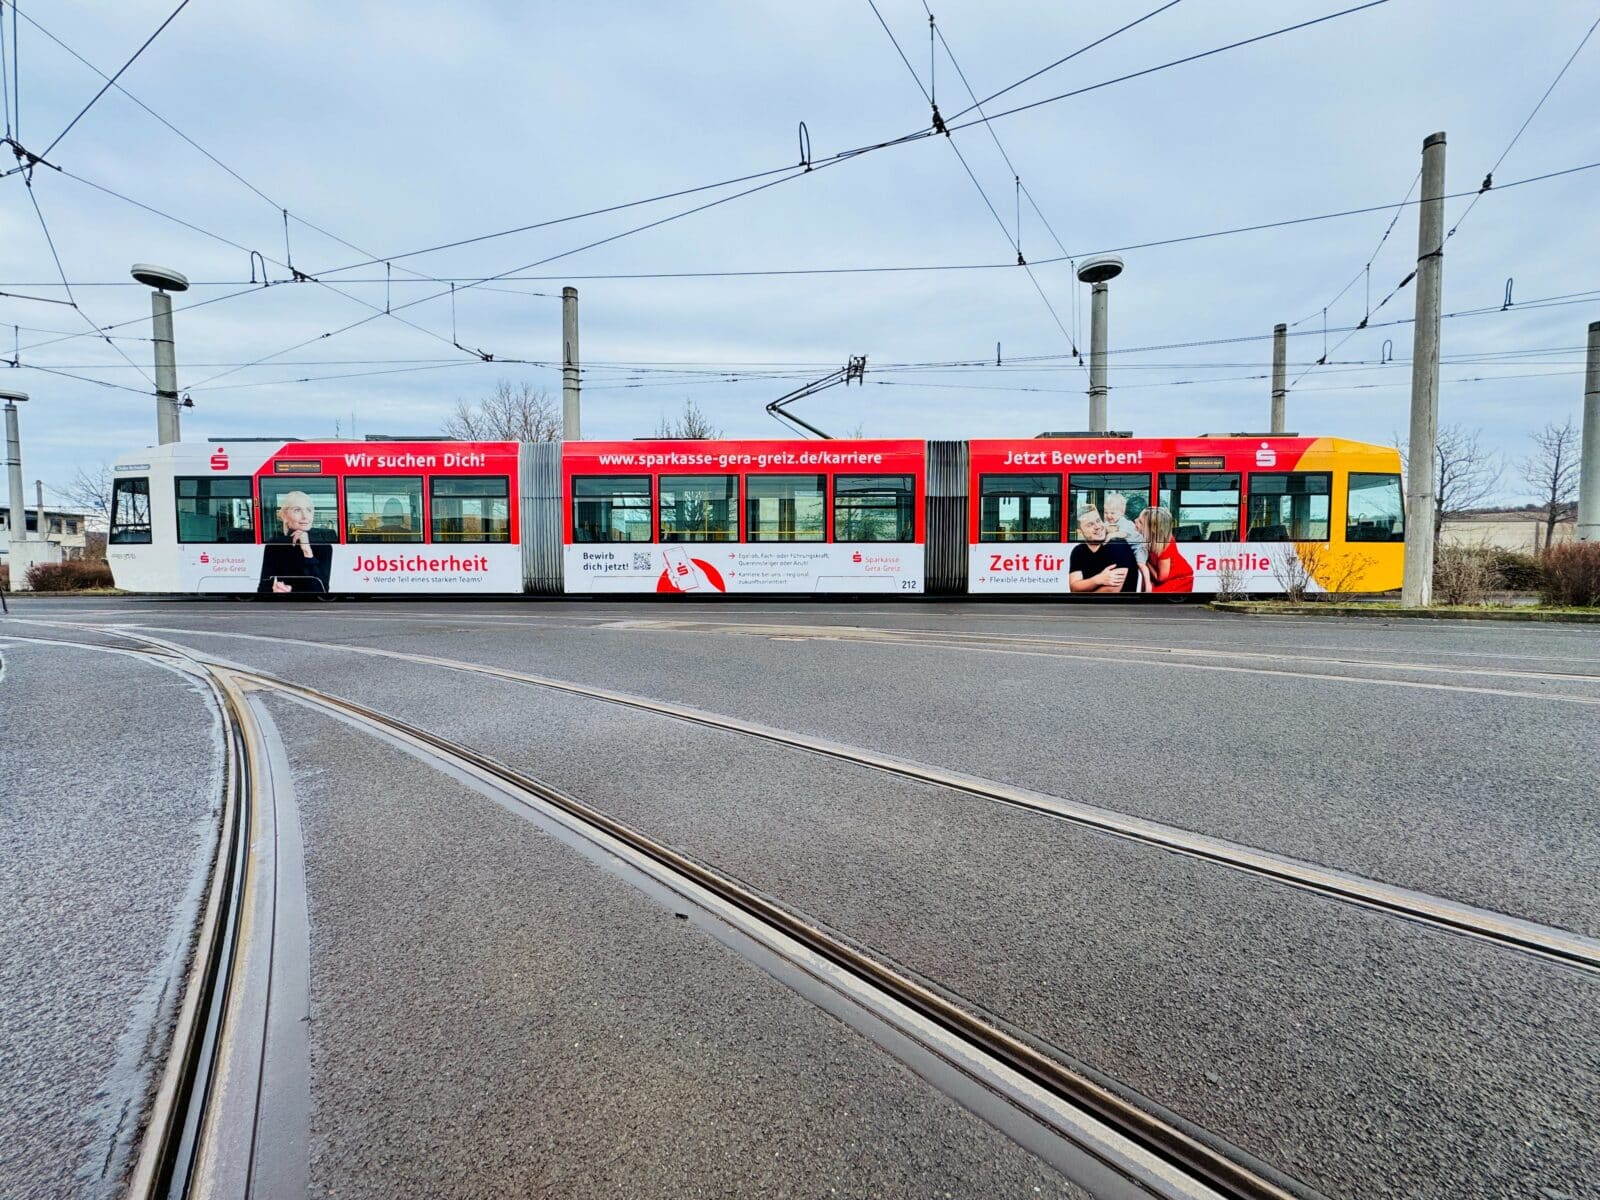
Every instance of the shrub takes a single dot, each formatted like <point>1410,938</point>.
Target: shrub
<point>1461,575</point>
<point>5,578</point>
<point>73,576</point>
<point>1517,572</point>
<point>1571,575</point>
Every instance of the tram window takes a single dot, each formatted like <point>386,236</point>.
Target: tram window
<point>874,508</point>
<point>471,509</point>
<point>1375,513</point>
<point>785,508</point>
<point>1290,507</point>
<point>1019,508</point>
<point>130,512</point>
<point>1117,498</point>
<point>216,509</point>
<point>320,493</point>
<point>1204,507</point>
<point>699,508</point>
<point>611,508</point>
<point>383,508</point>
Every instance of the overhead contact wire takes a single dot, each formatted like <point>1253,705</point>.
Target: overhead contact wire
<point>183,4</point>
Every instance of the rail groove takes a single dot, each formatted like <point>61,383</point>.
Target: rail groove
<point>1514,933</point>
<point>1186,1160</point>
<point>171,1142</point>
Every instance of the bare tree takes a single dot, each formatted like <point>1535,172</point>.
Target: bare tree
<point>89,489</point>
<point>1465,475</point>
<point>511,413</point>
<point>1552,472</point>
<point>690,423</point>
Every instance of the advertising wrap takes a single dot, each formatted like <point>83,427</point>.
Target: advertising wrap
<point>713,517</point>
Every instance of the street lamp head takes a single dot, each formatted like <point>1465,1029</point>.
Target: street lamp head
<point>163,278</point>
<point>12,397</point>
<point>1102,269</point>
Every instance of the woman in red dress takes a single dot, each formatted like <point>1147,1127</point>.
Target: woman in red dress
<point>1165,570</point>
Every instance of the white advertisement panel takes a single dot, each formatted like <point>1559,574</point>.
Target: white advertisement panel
<point>698,568</point>
<point>1018,568</point>
<point>378,567</point>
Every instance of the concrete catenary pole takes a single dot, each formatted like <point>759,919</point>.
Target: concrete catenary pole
<point>166,369</point>
<point>16,503</point>
<point>571,424</point>
<point>163,280</point>
<point>1280,371</point>
<point>44,530</point>
<point>1098,273</point>
<point>1416,589</point>
<point>1589,455</point>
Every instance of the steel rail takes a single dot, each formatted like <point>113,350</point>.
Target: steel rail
<point>1525,936</point>
<point>1191,1157</point>
<point>1513,933</point>
<point>171,1138</point>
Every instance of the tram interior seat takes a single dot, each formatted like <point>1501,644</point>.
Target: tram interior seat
<point>1370,531</point>
<point>1269,533</point>
<point>1188,533</point>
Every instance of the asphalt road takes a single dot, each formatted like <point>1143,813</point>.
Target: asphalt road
<point>1453,758</point>
<point>107,791</point>
<point>493,1015</point>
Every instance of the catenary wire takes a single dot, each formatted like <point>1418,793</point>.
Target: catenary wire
<point>978,104</point>
<point>183,4</point>
<point>1367,266</point>
<point>1488,179</point>
<point>1176,62</point>
<point>273,203</point>
<point>5,68</point>
<point>50,241</point>
<point>1016,175</point>
<point>854,152</point>
<point>267,258</point>
<point>1488,183</point>
<point>528,266</point>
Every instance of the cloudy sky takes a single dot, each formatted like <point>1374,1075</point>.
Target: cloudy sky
<point>388,128</point>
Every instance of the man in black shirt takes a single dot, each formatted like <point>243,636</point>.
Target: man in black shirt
<point>1097,565</point>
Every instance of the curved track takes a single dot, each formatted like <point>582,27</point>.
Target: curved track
<point>1525,936</point>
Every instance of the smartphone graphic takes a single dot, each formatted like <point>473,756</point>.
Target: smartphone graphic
<point>681,569</point>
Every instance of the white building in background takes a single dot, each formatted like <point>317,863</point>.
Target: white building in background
<point>66,530</point>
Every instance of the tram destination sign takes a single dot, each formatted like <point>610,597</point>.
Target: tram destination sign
<point>1199,462</point>
<point>297,466</point>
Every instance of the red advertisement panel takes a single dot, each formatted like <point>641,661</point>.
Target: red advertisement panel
<point>707,517</point>
<point>899,456</point>
<point>1063,456</point>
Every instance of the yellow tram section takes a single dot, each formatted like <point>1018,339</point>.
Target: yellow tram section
<point>1344,564</point>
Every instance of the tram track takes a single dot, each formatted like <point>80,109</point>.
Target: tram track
<point>1200,658</point>
<point>1150,1134</point>
<point>1543,941</point>
<point>1120,1147</point>
<point>222,1084</point>
<point>168,1152</point>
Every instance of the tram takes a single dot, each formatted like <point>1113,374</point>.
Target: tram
<point>1072,517</point>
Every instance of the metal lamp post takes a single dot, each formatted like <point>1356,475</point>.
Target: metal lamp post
<point>1098,273</point>
<point>164,281</point>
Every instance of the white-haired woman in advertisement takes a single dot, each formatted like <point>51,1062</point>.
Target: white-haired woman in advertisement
<point>291,560</point>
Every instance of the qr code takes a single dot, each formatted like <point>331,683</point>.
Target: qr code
<point>641,560</point>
